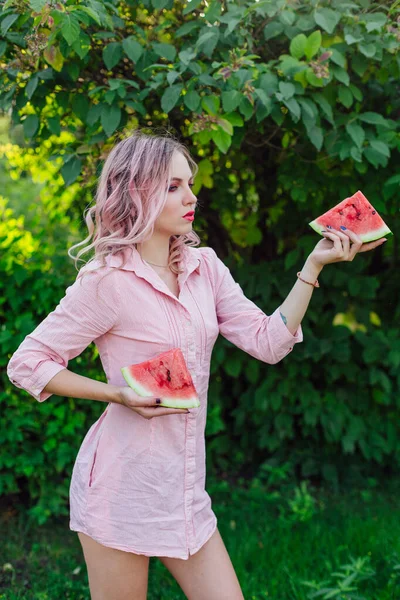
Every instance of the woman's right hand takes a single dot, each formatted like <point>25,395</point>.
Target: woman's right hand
<point>146,407</point>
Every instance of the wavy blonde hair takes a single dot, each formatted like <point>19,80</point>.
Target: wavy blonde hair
<point>131,194</point>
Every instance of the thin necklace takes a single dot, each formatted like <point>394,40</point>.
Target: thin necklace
<point>150,263</point>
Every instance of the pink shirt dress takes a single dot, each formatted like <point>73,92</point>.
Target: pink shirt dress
<point>138,485</point>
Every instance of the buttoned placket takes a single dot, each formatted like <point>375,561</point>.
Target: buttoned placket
<point>190,423</point>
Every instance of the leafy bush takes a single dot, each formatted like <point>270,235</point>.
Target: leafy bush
<point>287,108</point>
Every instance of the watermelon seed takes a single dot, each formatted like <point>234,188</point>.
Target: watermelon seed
<point>373,212</point>
<point>340,212</point>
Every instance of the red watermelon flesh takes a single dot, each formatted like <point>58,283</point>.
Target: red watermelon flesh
<point>165,376</point>
<point>357,214</point>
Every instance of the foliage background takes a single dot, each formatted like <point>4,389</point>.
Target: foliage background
<point>288,107</point>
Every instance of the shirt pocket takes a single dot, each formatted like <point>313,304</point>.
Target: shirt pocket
<point>126,441</point>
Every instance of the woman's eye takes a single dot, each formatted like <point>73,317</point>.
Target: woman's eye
<point>172,188</point>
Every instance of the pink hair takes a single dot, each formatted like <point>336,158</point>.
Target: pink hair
<point>131,194</point>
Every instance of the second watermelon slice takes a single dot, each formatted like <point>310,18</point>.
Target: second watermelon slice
<point>165,376</point>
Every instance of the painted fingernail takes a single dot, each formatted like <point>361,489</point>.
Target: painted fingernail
<point>329,226</point>
<point>343,227</point>
<point>158,400</point>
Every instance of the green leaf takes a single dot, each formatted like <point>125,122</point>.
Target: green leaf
<point>352,39</point>
<point>287,17</point>
<point>313,79</point>
<point>313,44</point>
<point>380,147</point>
<point>221,139</point>
<point>187,28</point>
<point>226,126</point>
<point>359,64</point>
<point>308,107</point>
<point>3,47</point>
<point>269,83</point>
<point>211,104</point>
<point>110,118</point>
<point>356,132</point>
<point>355,153</point>
<point>160,4</point>
<point>80,106</point>
<point>231,100</point>
<point>377,159</point>
<point>340,74</point>
<point>91,12</point>
<point>375,21</point>
<point>298,45</point>
<point>165,51</point>
<point>286,89</point>
<point>294,108</point>
<point>272,29</point>
<point>337,57</point>
<point>31,126</point>
<point>265,101</point>
<point>186,56</point>
<point>37,5</point>
<point>53,56</point>
<point>192,100</point>
<point>325,106</point>
<point>170,97</point>
<point>235,119</point>
<point>31,86</point>
<point>191,6</point>
<point>345,96</point>
<point>82,45</point>
<point>246,108</point>
<point>7,23</point>
<point>70,28</point>
<point>172,76</point>
<point>356,92</point>
<point>207,42</point>
<point>327,19</point>
<point>373,119</point>
<point>132,48</point>
<point>369,50</point>
<point>53,123</point>
<point>316,136</point>
<point>71,170</point>
<point>112,54</point>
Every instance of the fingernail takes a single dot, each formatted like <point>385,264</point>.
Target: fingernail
<point>158,400</point>
<point>329,226</point>
<point>323,231</point>
<point>343,227</point>
<point>383,241</point>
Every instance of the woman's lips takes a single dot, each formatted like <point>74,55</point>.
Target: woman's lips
<point>189,218</point>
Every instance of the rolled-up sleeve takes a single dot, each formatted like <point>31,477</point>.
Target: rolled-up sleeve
<point>243,323</point>
<point>88,310</point>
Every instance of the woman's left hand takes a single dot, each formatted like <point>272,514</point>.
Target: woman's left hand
<point>340,246</point>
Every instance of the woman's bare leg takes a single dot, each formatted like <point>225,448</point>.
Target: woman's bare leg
<point>114,574</point>
<point>208,574</point>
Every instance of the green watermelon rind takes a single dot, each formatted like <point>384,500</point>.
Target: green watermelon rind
<point>370,236</point>
<point>170,402</point>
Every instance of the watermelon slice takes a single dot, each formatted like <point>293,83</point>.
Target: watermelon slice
<point>165,376</point>
<point>355,213</point>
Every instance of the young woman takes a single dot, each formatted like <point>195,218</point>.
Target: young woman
<point>137,487</point>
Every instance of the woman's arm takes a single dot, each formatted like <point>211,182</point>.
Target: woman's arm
<point>295,306</point>
<point>338,246</point>
<point>69,384</point>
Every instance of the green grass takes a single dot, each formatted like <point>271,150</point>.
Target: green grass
<point>272,550</point>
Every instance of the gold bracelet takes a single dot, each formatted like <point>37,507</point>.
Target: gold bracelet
<point>316,284</point>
